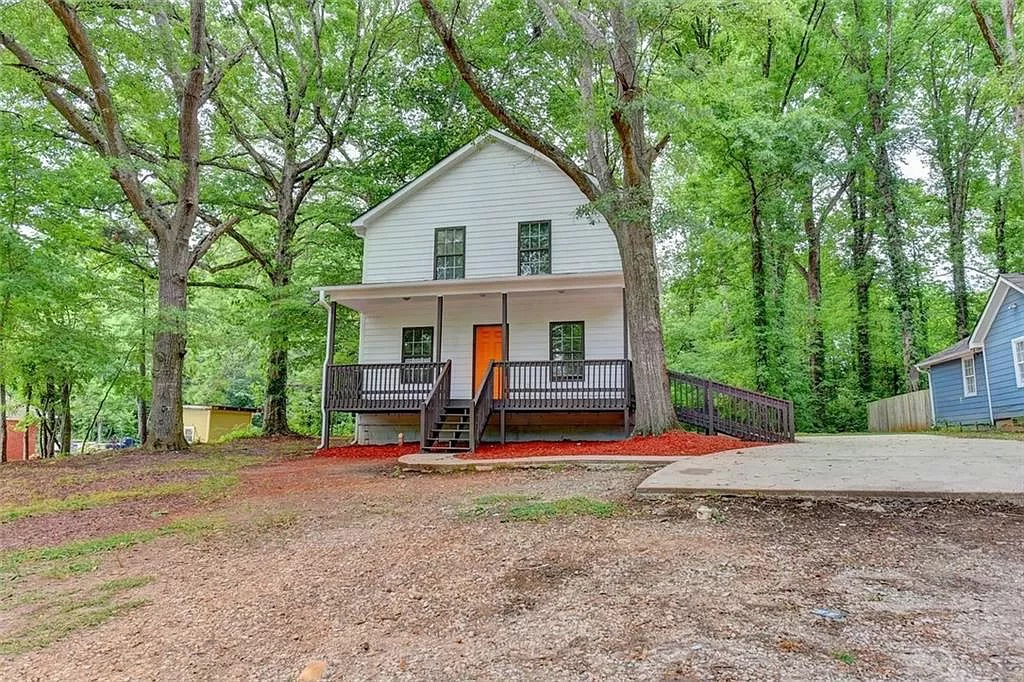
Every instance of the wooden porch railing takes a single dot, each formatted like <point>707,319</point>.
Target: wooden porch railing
<point>719,408</point>
<point>483,406</point>
<point>381,387</point>
<point>436,401</point>
<point>564,385</point>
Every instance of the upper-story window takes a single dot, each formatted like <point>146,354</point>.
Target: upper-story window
<point>535,248</point>
<point>450,253</point>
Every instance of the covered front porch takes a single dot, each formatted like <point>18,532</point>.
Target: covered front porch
<point>473,350</point>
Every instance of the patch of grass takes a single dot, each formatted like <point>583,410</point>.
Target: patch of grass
<point>844,657</point>
<point>511,507</point>
<point>991,434</point>
<point>216,487</point>
<point>569,506</point>
<point>66,569</point>
<point>62,613</point>
<point>211,487</point>
<point>79,556</point>
<point>215,463</point>
<point>122,584</point>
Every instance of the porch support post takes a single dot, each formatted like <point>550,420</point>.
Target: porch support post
<point>625,327</point>
<point>504,358</point>
<point>627,373</point>
<point>437,329</point>
<point>325,414</point>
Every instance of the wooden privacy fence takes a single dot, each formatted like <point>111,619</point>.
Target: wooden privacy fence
<point>907,412</point>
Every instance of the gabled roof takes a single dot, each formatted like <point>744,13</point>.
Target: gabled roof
<point>957,350</point>
<point>1004,284</point>
<point>976,340</point>
<point>444,165</point>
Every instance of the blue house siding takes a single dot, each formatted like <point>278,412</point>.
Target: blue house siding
<point>1007,398</point>
<point>951,407</point>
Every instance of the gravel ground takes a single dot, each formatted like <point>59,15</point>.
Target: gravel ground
<point>386,576</point>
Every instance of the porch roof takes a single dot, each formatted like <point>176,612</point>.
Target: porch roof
<point>356,296</point>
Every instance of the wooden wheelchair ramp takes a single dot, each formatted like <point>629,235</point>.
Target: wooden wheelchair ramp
<point>719,408</point>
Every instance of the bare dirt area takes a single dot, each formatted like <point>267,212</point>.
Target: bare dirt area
<point>510,574</point>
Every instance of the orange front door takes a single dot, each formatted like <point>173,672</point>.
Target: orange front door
<point>487,343</point>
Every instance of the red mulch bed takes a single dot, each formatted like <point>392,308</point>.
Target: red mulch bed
<point>369,451</point>
<point>675,443</point>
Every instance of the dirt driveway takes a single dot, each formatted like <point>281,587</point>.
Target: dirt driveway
<point>550,574</point>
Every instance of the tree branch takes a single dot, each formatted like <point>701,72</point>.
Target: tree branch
<point>498,110</point>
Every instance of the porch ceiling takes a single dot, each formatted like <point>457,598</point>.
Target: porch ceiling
<point>359,296</point>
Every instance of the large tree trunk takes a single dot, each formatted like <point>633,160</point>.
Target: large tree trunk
<point>65,418</point>
<point>816,334</point>
<point>759,278</point>
<point>166,431</point>
<point>1000,230</point>
<point>141,409</point>
<point>3,422</point>
<point>863,273</point>
<point>654,411</point>
<point>885,187</point>
<point>954,180</point>
<point>275,408</point>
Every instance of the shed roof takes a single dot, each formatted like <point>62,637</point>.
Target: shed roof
<point>222,408</point>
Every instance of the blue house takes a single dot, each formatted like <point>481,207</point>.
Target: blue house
<point>980,379</point>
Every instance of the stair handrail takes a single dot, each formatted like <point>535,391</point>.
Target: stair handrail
<point>779,427</point>
<point>435,402</point>
<point>480,410</point>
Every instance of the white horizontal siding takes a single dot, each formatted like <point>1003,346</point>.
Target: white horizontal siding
<point>529,317</point>
<point>489,193</point>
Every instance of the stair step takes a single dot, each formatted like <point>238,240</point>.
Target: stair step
<point>446,448</point>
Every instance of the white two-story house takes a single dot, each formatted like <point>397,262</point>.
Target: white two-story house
<point>489,308</point>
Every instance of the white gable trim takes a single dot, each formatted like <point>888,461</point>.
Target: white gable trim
<point>988,316</point>
<point>444,165</point>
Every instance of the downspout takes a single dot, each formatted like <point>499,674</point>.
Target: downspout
<point>931,396</point>
<point>988,389</point>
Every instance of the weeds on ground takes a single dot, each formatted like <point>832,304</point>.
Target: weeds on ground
<point>844,657</point>
<point>80,556</point>
<point>59,614</point>
<point>510,507</point>
<point>215,463</point>
<point>208,488</point>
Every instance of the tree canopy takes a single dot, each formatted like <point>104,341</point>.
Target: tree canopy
<point>826,190</point>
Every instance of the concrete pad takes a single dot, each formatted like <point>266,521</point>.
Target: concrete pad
<point>912,465</point>
<point>430,461</point>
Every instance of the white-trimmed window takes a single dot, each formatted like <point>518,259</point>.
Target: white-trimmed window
<point>1018,359</point>
<point>970,376</point>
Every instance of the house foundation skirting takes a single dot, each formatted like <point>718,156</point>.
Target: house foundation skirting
<point>379,429</point>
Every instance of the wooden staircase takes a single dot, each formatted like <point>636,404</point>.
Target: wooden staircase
<point>450,433</point>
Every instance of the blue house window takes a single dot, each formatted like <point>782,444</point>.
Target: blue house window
<point>970,376</point>
<point>1018,359</point>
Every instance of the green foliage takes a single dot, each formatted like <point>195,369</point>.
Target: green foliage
<point>510,507</point>
<point>761,101</point>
